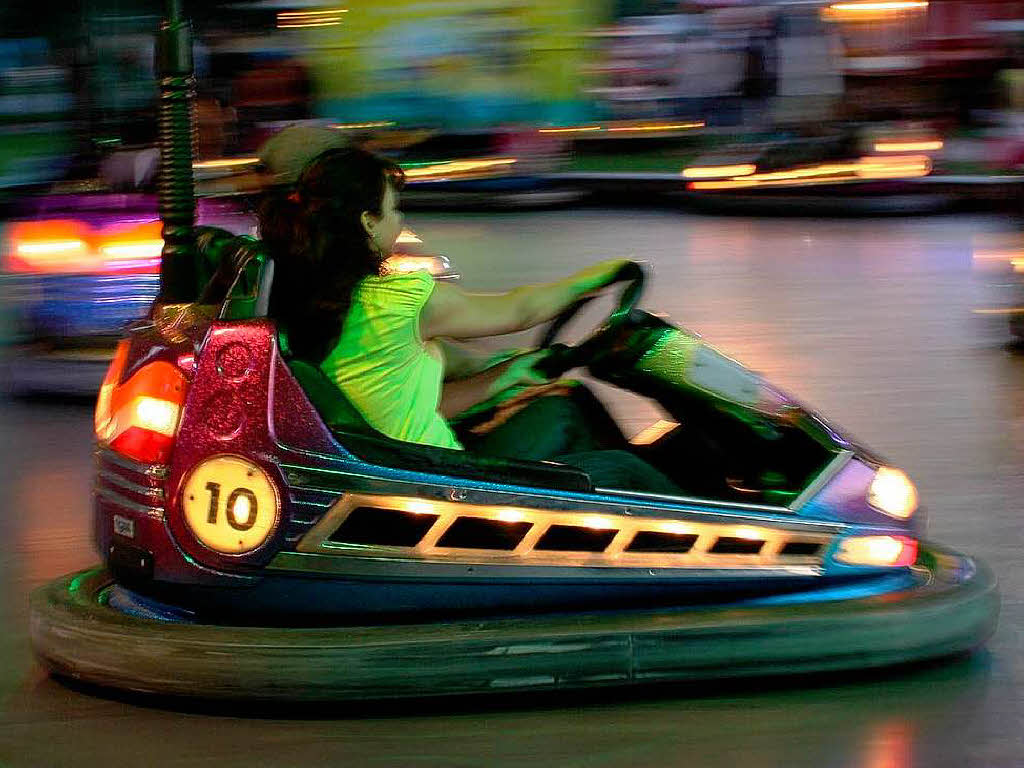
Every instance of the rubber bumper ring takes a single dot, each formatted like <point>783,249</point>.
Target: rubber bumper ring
<point>76,634</point>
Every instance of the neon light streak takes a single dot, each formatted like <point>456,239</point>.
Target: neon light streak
<point>718,171</point>
<point>456,167</point>
<point>932,145</point>
<point>578,129</point>
<point>672,127</point>
<point>231,162</point>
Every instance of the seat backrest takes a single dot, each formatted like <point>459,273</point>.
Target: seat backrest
<point>236,271</point>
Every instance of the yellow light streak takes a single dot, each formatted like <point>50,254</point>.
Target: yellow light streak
<point>597,523</point>
<point>302,14</point>
<point>576,129</point>
<point>996,311</point>
<point>50,247</point>
<point>231,162</point>
<point>718,171</point>
<point>670,127</point>
<point>408,236</point>
<point>454,167</point>
<point>863,11</point>
<point>891,5</point>
<point>140,249</point>
<point>930,145</point>
<point>311,24</point>
<point>997,255</point>
<point>864,169</point>
<point>358,126</point>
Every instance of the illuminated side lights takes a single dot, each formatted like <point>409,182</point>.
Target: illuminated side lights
<point>892,493</point>
<point>883,551</point>
<point>418,507</point>
<point>511,516</point>
<point>719,171</point>
<point>230,504</point>
<point>373,526</point>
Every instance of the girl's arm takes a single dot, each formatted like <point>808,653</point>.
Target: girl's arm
<point>453,313</point>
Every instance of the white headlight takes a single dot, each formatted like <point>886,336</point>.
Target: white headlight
<point>892,492</point>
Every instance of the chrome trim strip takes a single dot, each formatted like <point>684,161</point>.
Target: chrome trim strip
<point>695,500</point>
<point>157,494</point>
<point>156,513</point>
<point>296,475</point>
<point>405,569</point>
<point>833,468</point>
<point>157,471</point>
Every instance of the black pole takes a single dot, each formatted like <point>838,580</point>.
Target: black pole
<point>176,138</point>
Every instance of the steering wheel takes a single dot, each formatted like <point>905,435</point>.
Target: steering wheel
<point>563,357</point>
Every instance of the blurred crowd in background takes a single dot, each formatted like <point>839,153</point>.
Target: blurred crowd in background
<point>77,81</point>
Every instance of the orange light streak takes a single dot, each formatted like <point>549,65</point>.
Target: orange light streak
<point>717,171</point>
<point>932,145</point>
<point>865,169</point>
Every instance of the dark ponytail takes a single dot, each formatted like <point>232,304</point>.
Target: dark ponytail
<point>321,251</point>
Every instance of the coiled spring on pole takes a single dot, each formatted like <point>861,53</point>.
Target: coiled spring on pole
<point>176,141</point>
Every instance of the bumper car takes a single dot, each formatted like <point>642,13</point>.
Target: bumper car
<point>997,267</point>
<point>260,541</point>
<point>854,171</point>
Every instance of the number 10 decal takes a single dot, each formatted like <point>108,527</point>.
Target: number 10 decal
<point>250,506</point>
<point>230,504</point>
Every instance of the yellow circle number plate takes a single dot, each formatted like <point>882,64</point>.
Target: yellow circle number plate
<point>230,504</point>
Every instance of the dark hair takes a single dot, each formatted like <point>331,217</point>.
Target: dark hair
<point>320,249</point>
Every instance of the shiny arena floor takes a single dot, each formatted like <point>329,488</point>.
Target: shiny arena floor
<point>869,321</point>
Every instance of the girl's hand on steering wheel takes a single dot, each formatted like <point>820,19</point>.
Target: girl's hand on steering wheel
<point>592,280</point>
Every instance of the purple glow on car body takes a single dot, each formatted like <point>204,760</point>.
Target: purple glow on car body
<point>844,499</point>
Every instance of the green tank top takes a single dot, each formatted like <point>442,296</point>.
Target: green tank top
<point>383,366</point>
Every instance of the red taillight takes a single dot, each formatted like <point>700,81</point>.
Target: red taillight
<point>139,417</point>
